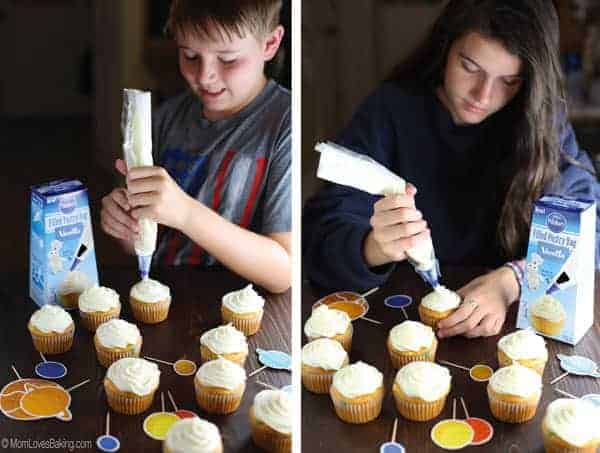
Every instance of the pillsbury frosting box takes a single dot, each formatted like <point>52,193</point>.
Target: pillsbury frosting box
<point>557,296</point>
<point>61,239</point>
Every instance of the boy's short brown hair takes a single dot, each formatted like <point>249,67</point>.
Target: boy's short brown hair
<point>231,17</point>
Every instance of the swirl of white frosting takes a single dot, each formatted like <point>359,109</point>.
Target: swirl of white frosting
<point>548,307</point>
<point>245,300</point>
<point>324,353</point>
<point>150,291</point>
<point>131,374</point>
<point>117,333</point>
<point>326,322</point>
<point>224,340</point>
<point>98,298</point>
<point>516,380</point>
<point>221,373</point>
<point>441,299</point>
<point>357,379</point>
<point>411,336</point>
<point>273,407</point>
<point>75,282</point>
<point>51,318</point>
<point>193,435</point>
<point>573,420</point>
<point>426,380</point>
<point>523,344</point>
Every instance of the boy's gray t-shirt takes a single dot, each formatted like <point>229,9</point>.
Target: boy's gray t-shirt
<point>240,166</point>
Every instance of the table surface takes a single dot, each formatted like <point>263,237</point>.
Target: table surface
<point>323,431</point>
<point>195,308</point>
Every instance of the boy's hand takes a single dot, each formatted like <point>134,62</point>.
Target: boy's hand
<point>485,303</point>
<point>397,226</point>
<point>115,217</point>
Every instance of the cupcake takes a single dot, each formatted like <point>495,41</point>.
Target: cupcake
<point>130,384</point>
<point>116,339</point>
<point>524,347</point>
<point>243,309</point>
<point>321,358</point>
<point>547,315</point>
<point>271,421</point>
<point>411,341</point>
<point>52,329</point>
<point>571,426</point>
<point>514,393</point>
<point>193,435</point>
<point>219,386</point>
<point>325,322</point>
<point>97,305</point>
<point>68,292</point>
<point>357,393</point>
<point>150,301</point>
<point>437,305</point>
<point>224,341</point>
<point>420,390</point>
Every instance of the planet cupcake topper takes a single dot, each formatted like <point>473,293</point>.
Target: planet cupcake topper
<point>50,369</point>
<point>354,304</point>
<point>106,442</point>
<point>576,364</point>
<point>182,367</point>
<point>398,301</point>
<point>593,398</point>
<point>452,434</point>
<point>181,413</point>
<point>277,360</point>
<point>479,372</point>
<point>157,424</point>
<point>392,446</point>
<point>483,431</point>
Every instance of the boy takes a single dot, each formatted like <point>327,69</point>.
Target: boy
<point>224,149</point>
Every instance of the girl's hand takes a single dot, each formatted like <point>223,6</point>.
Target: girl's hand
<point>397,226</point>
<point>485,303</point>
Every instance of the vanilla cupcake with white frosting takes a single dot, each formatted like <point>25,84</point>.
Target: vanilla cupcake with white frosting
<point>244,309</point>
<point>420,390</point>
<point>193,435</point>
<point>437,305</point>
<point>116,339</point>
<point>271,421</point>
<point>325,322</point>
<point>357,393</point>
<point>547,315</point>
<point>321,359</point>
<point>52,329</point>
<point>97,305</point>
<point>224,341</point>
<point>571,426</point>
<point>411,341</point>
<point>514,393</point>
<point>524,347</point>
<point>219,386</point>
<point>150,301</point>
<point>130,384</point>
<point>68,292</point>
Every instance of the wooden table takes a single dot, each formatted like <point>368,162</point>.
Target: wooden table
<point>323,431</point>
<point>195,308</point>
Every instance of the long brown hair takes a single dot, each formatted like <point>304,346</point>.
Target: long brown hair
<point>529,30</point>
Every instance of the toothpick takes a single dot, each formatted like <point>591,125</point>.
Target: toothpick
<point>462,401</point>
<point>16,372</point>
<point>394,429</point>
<point>453,408</point>
<point>258,370</point>
<point>159,361</point>
<point>108,423</point>
<point>371,291</point>
<point>264,384</point>
<point>162,401</point>
<point>445,362</point>
<point>556,379</point>
<point>374,321</point>
<point>78,385</point>
<point>43,358</point>
<point>172,400</point>
<point>404,312</point>
<point>562,392</point>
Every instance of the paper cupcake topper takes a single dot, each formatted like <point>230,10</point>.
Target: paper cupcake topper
<point>274,359</point>
<point>182,367</point>
<point>576,364</point>
<point>157,424</point>
<point>106,442</point>
<point>181,413</point>
<point>482,429</point>
<point>350,302</point>
<point>452,434</point>
<point>593,398</point>
<point>397,301</point>
<point>479,372</point>
<point>49,369</point>
<point>392,446</point>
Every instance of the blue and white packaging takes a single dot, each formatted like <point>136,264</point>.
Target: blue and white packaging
<point>557,297</point>
<point>61,238</point>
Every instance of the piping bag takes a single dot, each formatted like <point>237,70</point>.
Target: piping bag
<point>136,125</point>
<point>343,166</point>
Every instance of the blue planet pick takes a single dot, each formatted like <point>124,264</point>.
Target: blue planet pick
<point>593,398</point>
<point>392,447</point>
<point>398,301</point>
<point>106,442</point>
<point>576,364</point>
<point>275,359</point>
<point>49,369</point>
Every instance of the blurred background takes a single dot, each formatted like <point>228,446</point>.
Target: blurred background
<point>64,65</point>
<point>349,47</point>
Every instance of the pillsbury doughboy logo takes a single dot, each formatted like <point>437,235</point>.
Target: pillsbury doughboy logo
<point>556,222</point>
<point>66,204</point>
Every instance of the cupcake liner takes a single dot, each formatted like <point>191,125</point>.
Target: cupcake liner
<point>53,343</point>
<point>536,365</point>
<point>267,438</point>
<point>417,409</point>
<point>218,401</point>
<point>150,313</point>
<point>358,410</point>
<point>555,444</point>
<point>68,301</point>
<point>432,317</point>
<point>237,357</point>
<point>546,326</point>
<point>401,358</point>
<point>512,411</point>
<point>317,382</point>
<point>345,339</point>
<point>107,356</point>
<point>91,320</point>
<point>248,323</point>
<point>126,402</point>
